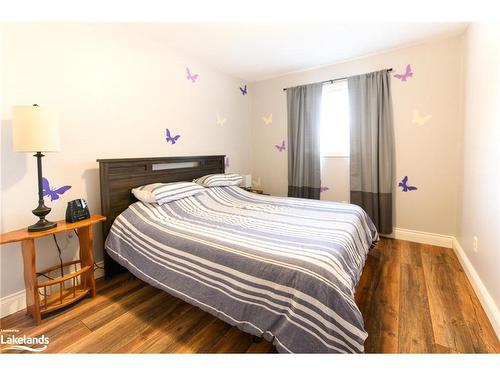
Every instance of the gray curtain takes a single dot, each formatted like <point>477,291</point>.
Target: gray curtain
<point>372,144</point>
<point>304,112</point>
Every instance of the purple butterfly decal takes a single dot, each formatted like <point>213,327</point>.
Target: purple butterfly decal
<point>405,187</point>
<point>226,163</point>
<point>169,138</point>
<point>406,75</point>
<point>281,147</point>
<point>53,193</point>
<point>243,90</point>
<point>192,77</point>
<point>323,188</point>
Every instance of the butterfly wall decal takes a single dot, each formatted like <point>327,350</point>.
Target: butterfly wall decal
<point>323,189</point>
<point>221,121</point>
<point>243,90</point>
<point>268,120</point>
<point>256,184</point>
<point>404,185</point>
<point>226,162</point>
<point>169,137</point>
<point>420,120</point>
<point>54,194</point>
<point>191,77</point>
<point>281,147</point>
<point>407,74</point>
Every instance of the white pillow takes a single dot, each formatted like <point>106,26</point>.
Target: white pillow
<point>210,180</point>
<point>144,193</point>
<point>164,193</point>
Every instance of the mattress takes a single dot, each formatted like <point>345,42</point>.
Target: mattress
<point>284,269</point>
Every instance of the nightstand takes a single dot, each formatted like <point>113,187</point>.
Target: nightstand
<point>82,280</point>
<point>256,191</point>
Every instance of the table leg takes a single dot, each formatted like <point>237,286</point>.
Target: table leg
<point>30,279</point>
<point>86,239</point>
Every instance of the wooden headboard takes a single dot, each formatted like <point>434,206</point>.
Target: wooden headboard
<point>119,176</point>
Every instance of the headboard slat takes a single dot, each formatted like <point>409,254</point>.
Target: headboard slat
<point>119,176</point>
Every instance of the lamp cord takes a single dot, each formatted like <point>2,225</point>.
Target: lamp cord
<point>60,255</point>
<point>96,266</point>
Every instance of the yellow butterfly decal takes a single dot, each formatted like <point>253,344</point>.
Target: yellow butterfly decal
<point>420,120</point>
<point>220,121</point>
<point>256,184</point>
<point>268,120</point>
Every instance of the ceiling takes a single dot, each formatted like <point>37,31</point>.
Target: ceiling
<point>257,51</point>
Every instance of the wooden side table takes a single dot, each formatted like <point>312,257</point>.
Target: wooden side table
<point>256,191</point>
<point>85,274</point>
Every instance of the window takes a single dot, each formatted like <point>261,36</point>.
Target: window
<point>335,119</point>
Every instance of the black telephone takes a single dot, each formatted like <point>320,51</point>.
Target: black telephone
<point>77,210</point>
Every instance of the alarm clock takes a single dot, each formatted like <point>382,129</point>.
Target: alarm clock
<point>77,210</point>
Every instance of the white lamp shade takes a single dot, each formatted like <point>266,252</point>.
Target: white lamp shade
<point>247,181</point>
<point>35,129</point>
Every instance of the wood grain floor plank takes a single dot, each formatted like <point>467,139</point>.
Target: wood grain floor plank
<point>175,330</point>
<point>204,339</point>
<point>383,312</point>
<point>106,314</point>
<point>125,328</point>
<point>449,326</point>
<point>67,337</point>
<point>147,340</point>
<point>261,347</point>
<point>410,253</point>
<point>183,330</point>
<point>440,349</point>
<point>234,341</point>
<point>415,324</point>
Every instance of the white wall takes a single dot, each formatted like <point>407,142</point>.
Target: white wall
<point>479,200</point>
<point>429,155</point>
<point>116,91</point>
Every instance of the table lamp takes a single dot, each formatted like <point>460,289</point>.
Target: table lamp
<point>36,129</point>
<point>247,181</point>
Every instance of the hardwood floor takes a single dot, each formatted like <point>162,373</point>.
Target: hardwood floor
<point>417,299</point>
<point>414,298</point>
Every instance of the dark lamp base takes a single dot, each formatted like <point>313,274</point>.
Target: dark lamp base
<point>42,210</point>
<point>41,225</point>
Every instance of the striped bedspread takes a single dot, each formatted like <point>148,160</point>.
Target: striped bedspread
<point>281,268</point>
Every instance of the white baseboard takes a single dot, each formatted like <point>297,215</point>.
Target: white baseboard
<point>422,237</point>
<point>12,303</point>
<point>487,302</point>
<point>17,301</point>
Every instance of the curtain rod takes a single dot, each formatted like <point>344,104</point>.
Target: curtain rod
<point>336,79</point>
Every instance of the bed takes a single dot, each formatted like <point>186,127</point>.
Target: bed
<point>283,269</point>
